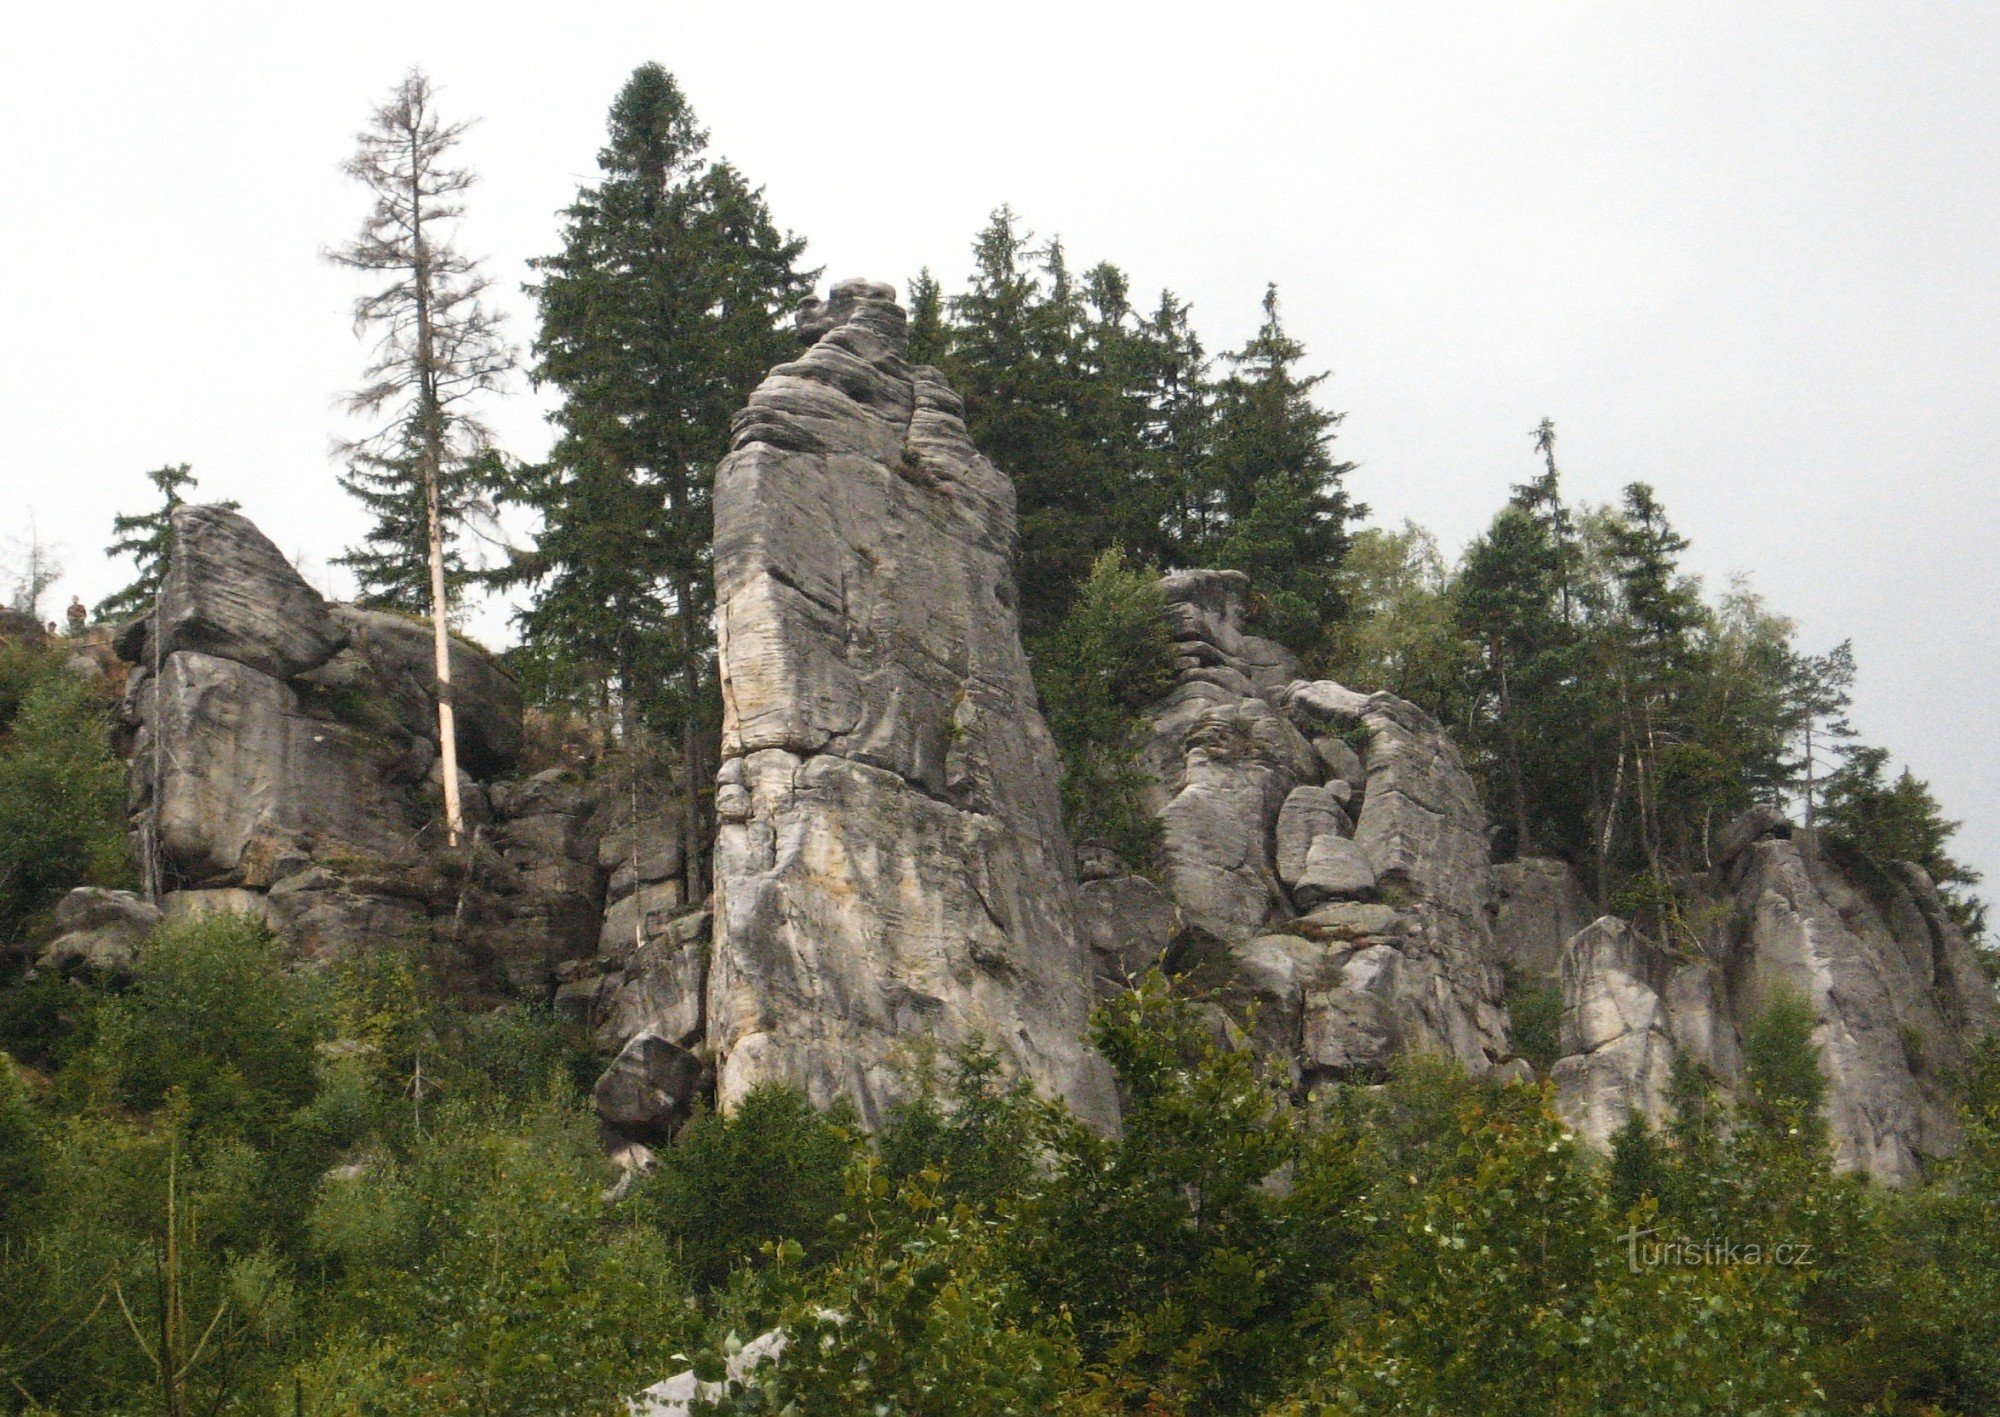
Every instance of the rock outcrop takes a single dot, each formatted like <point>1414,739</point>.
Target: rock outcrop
<point>284,761</point>
<point>1897,992</point>
<point>890,862</point>
<point>1329,846</point>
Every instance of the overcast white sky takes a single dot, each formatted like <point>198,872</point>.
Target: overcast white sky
<point>1745,252</point>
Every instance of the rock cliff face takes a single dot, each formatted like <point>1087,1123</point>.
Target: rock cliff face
<point>284,758</point>
<point>890,861</point>
<point>1897,992</point>
<point>1328,845</point>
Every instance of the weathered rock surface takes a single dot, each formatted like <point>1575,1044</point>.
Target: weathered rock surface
<point>1287,808</point>
<point>1538,904</point>
<point>284,762</point>
<point>1619,1053</point>
<point>890,862</point>
<point>1897,991</point>
<point>98,932</point>
<point>230,593</point>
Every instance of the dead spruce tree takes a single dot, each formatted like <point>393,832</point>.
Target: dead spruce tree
<point>437,346</point>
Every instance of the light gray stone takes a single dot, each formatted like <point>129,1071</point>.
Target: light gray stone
<point>1618,1051</point>
<point>1308,814</point>
<point>1757,824</point>
<point>890,863</point>
<point>1335,869</point>
<point>228,592</point>
<point>1342,763</point>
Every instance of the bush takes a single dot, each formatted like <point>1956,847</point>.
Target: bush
<point>62,792</point>
<point>1110,658</point>
<point>483,1272</point>
<point>1534,1009</point>
<point>770,1171</point>
<point>214,1015</point>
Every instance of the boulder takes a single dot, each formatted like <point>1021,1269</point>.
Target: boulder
<point>1335,869</point>
<point>98,932</point>
<point>1342,763</point>
<point>649,1088</point>
<point>1240,762</point>
<point>1309,813</point>
<point>228,592</point>
<point>1760,823</point>
<point>890,863</point>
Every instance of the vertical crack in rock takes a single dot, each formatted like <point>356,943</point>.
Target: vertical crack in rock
<point>890,861</point>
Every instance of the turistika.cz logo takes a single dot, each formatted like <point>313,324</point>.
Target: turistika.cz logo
<point>1643,1253</point>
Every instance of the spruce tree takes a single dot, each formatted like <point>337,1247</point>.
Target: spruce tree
<point>1274,493</point>
<point>659,315</point>
<point>438,346</point>
<point>143,536</point>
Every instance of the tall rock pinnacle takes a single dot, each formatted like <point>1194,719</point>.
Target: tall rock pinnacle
<point>890,864</point>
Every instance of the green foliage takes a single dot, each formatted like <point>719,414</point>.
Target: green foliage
<point>481,1272</point>
<point>1899,821</point>
<point>1273,491</point>
<point>1117,433</point>
<point>659,315</point>
<point>1164,1244</point>
<point>21,1161</point>
<point>62,792</point>
<point>972,1134</point>
<point>912,1319</point>
<point>1781,1073</point>
<point>144,536</point>
<point>1111,657</point>
<point>214,1017</point>
<point>1534,1016</point>
<point>1401,632</point>
<point>770,1171</point>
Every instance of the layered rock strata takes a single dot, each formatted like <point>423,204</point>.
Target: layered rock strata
<point>1327,846</point>
<point>1896,991</point>
<point>890,862</point>
<point>284,762</point>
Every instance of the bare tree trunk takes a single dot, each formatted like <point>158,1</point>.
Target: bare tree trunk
<point>431,413</point>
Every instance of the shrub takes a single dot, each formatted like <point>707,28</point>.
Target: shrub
<point>62,792</point>
<point>1110,658</point>
<point>214,1015</point>
<point>770,1171</point>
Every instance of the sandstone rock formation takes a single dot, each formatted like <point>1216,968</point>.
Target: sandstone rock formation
<point>1329,842</point>
<point>1896,989</point>
<point>284,758</point>
<point>890,862</point>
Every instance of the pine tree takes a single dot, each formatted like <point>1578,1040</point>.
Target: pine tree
<point>438,346</point>
<point>1274,492</point>
<point>930,337</point>
<point>658,317</point>
<point>143,536</point>
<point>1820,688</point>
